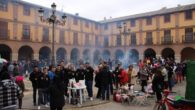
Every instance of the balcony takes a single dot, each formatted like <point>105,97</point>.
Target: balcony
<point>166,40</point>
<point>148,41</point>
<point>46,39</point>
<point>26,36</point>
<point>4,34</point>
<point>133,41</point>
<point>188,38</point>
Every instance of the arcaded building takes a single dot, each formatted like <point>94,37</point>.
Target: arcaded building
<point>168,32</point>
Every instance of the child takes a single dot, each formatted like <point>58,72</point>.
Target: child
<point>20,82</point>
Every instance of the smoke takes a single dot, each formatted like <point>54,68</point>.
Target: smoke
<point>130,57</point>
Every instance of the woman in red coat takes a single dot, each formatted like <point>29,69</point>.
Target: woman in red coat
<point>123,77</point>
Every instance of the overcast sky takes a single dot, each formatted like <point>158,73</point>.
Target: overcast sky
<point>98,9</point>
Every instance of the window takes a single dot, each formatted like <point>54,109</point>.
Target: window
<point>167,33</point>
<point>149,21</point>
<point>106,41</point>
<point>75,21</point>
<point>96,40</point>
<point>46,34</point>
<point>132,23</point>
<point>96,26</point>
<point>26,31</point>
<point>118,24</point>
<point>61,37</point>
<point>75,40</point>
<point>188,15</point>
<point>189,31</point>
<point>118,40</point>
<point>3,29</point>
<point>149,38</point>
<point>167,18</point>
<point>167,37</point>
<point>87,42</point>
<point>133,39</point>
<point>3,5</point>
<point>26,10</point>
<point>46,14</point>
<point>86,24</point>
<point>188,35</point>
<point>105,26</point>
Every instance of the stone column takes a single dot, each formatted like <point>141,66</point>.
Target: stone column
<point>68,57</point>
<point>158,55</point>
<point>36,56</point>
<point>141,56</point>
<point>14,56</point>
<point>178,58</point>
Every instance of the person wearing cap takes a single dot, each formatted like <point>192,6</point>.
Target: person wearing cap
<point>89,80</point>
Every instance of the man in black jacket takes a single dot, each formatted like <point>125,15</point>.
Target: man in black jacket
<point>116,72</point>
<point>105,81</point>
<point>34,79</point>
<point>89,80</point>
<point>79,75</point>
<point>44,83</point>
<point>56,91</point>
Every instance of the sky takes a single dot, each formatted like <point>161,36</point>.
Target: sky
<point>98,9</point>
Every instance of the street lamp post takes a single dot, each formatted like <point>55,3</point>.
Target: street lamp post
<point>124,31</point>
<point>52,19</point>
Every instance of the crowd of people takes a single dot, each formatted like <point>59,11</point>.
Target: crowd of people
<point>51,83</point>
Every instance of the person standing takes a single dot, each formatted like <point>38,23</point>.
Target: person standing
<point>20,82</point>
<point>51,73</point>
<point>89,80</point>
<point>15,70</point>
<point>34,79</point>
<point>123,77</point>
<point>43,85</point>
<point>165,75</point>
<point>79,74</point>
<point>11,69</point>
<point>97,80</point>
<point>9,92</point>
<point>56,91</point>
<point>116,73</point>
<point>130,73</point>
<point>105,80</point>
<point>143,77</point>
<point>157,84</point>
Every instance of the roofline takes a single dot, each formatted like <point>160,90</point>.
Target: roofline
<point>132,16</point>
<point>38,6</point>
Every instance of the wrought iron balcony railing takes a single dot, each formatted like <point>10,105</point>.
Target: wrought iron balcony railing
<point>4,34</point>
<point>166,40</point>
<point>188,38</point>
<point>133,41</point>
<point>148,41</point>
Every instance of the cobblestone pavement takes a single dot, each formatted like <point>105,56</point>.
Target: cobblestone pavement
<point>98,104</point>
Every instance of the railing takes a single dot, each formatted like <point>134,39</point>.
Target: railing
<point>188,38</point>
<point>4,34</point>
<point>133,41</point>
<point>46,39</point>
<point>148,41</point>
<point>166,40</point>
<point>26,37</point>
